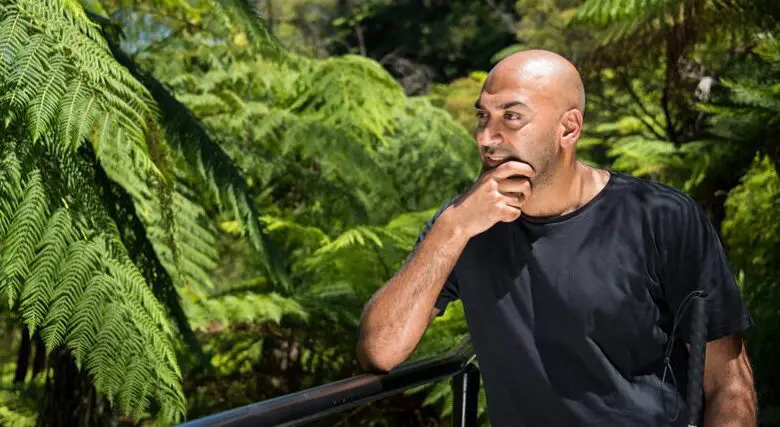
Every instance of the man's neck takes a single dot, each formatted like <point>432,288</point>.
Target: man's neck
<point>568,189</point>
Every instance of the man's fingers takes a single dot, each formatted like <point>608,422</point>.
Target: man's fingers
<point>509,213</point>
<point>513,167</point>
<point>514,200</point>
<point>515,185</point>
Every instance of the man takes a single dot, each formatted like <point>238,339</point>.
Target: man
<point>570,276</point>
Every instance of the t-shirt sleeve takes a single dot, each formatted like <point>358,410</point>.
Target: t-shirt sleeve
<point>449,292</point>
<point>694,259</point>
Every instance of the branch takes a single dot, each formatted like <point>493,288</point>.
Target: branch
<point>672,56</point>
<point>671,133</point>
<point>641,106</point>
<point>361,42</point>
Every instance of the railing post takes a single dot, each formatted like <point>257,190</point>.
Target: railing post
<point>465,391</point>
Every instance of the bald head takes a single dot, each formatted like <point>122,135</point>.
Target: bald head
<point>531,110</point>
<point>546,73</point>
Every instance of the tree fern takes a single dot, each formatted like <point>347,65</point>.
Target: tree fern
<point>342,123</point>
<point>673,24</point>
<point>19,242</point>
<point>248,18</point>
<point>44,107</point>
<point>40,287</point>
<point>50,51</point>
<point>78,266</point>
<point>85,295</point>
<point>208,162</point>
<point>217,312</point>
<point>347,269</point>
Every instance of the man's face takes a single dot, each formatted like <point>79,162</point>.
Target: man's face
<point>517,121</point>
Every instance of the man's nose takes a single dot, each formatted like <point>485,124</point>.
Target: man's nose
<point>489,136</point>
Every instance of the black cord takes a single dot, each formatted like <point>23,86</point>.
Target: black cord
<point>681,310</point>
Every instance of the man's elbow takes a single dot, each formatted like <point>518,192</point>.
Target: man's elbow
<point>374,360</point>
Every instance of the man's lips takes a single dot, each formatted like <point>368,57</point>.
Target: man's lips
<point>495,161</point>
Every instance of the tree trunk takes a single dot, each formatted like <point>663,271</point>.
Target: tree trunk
<point>39,362</point>
<point>23,357</point>
<point>70,399</point>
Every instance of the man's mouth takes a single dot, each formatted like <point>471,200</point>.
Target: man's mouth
<point>495,161</point>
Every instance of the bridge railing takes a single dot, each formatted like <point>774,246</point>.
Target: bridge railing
<point>316,403</point>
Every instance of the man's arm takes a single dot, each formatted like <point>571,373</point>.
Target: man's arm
<point>397,316</point>
<point>729,395</point>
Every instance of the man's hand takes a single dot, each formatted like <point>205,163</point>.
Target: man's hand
<point>497,196</point>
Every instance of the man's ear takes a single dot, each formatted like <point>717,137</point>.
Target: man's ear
<point>572,127</point>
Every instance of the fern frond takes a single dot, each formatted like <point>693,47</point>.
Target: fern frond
<point>113,345</point>
<point>133,287</point>
<point>647,158</point>
<point>90,306</point>
<point>73,10</point>
<point>250,20</point>
<point>217,312</point>
<point>86,112</point>
<point>43,108</point>
<point>653,23</point>
<point>135,384</point>
<point>63,48</point>
<point>333,95</point>
<point>37,292</point>
<point>306,236</point>
<point>191,142</point>
<point>23,234</point>
<point>755,94</point>
<point>13,35</point>
<point>176,228</point>
<point>11,190</point>
<point>75,97</point>
<point>25,77</point>
<point>73,278</point>
<point>358,236</point>
<point>78,267</point>
<point>605,12</point>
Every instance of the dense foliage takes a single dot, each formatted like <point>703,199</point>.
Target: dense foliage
<point>195,203</point>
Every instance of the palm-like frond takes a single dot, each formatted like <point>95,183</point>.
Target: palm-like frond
<point>349,267</point>
<point>59,78</point>
<point>248,19</point>
<point>206,160</point>
<point>217,312</point>
<point>86,295</point>
<point>672,25</point>
<point>70,87</point>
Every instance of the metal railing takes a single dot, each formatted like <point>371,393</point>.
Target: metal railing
<point>316,403</point>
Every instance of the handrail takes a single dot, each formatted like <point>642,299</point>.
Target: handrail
<point>316,403</point>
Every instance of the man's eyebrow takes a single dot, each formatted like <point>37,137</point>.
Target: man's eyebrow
<point>504,106</point>
<point>511,104</point>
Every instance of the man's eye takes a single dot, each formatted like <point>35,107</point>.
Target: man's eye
<point>482,118</point>
<point>512,116</point>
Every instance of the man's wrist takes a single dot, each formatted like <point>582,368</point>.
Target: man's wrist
<point>451,228</point>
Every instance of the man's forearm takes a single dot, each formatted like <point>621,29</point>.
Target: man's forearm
<point>733,406</point>
<point>397,316</point>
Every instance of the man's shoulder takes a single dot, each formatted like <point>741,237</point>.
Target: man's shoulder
<point>655,198</point>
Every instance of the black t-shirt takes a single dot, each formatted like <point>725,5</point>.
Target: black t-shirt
<point>570,316</point>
